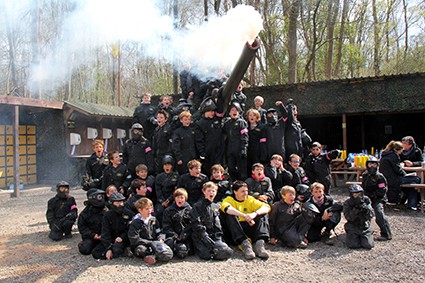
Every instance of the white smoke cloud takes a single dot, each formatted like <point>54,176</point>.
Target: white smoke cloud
<point>94,24</point>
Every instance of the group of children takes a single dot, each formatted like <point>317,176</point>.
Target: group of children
<point>156,201</point>
<point>247,216</point>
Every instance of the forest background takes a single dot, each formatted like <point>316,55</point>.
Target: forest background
<point>52,49</point>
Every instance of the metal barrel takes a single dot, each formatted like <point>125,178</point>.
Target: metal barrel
<point>239,70</point>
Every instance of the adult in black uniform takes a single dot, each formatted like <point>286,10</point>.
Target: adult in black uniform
<point>114,230</point>
<point>358,212</point>
<point>193,181</point>
<point>90,221</point>
<point>145,115</point>
<point>375,187</point>
<point>162,138</point>
<point>95,165</point>
<point>61,213</point>
<point>209,135</point>
<point>138,150</point>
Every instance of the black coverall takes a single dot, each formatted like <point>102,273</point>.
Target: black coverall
<point>236,131</point>
<point>144,114</point>
<point>117,176</point>
<point>193,186</point>
<point>90,224</point>
<point>184,147</point>
<point>61,215</point>
<point>137,152</point>
<point>161,144</point>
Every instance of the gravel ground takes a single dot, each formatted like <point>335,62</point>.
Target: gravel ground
<point>28,255</point>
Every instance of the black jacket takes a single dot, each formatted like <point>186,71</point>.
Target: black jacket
<point>90,221</point>
<point>389,165</point>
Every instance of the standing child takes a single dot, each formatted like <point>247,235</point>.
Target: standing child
<point>206,228</point>
<point>144,235</point>
<point>184,143</point>
<point>317,165</point>
<point>236,130</point>
<point>116,174</point>
<point>95,165</point>
<point>375,187</point>
<point>61,212</point>
<point>358,212</point>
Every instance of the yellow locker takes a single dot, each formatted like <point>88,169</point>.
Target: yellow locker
<point>31,149</point>
<point>24,179</point>
<point>30,130</point>
<point>2,172</point>
<point>22,149</point>
<point>9,171</point>
<point>22,159</point>
<point>2,162</point>
<point>9,161</point>
<point>2,140</point>
<point>2,152</point>
<point>2,183</point>
<point>22,140</point>
<point>9,140</point>
<point>31,159</point>
<point>22,129</point>
<point>2,129</point>
<point>30,139</point>
<point>32,179</point>
<point>9,150</point>
<point>32,169</point>
<point>22,170</point>
<point>9,130</point>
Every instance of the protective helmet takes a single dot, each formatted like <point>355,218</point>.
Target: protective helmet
<point>137,126</point>
<point>303,190</point>
<point>372,159</point>
<point>96,197</point>
<point>116,196</point>
<point>309,211</point>
<point>207,105</point>
<point>271,110</point>
<point>62,184</point>
<point>372,170</point>
<point>237,105</point>
<point>355,189</point>
<point>167,159</point>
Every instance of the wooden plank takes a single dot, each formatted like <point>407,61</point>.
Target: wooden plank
<point>23,101</point>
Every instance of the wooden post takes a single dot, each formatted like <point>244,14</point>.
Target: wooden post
<point>17,177</point>
<point>344,131</point>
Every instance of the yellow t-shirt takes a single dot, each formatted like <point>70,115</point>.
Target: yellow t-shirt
<point>249,205</point>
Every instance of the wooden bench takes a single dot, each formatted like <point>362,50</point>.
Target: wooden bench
<point>348,175</point>
<point>421,189</point>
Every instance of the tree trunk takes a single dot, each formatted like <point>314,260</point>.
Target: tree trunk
<point>333,9</point>
<point>345,8</point>
<point>294,11</point>
<point>377,40</point>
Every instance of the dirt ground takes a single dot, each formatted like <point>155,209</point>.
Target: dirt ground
<point>28,255</point>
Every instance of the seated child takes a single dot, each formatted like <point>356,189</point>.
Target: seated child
<point>375,187</point>
<point>61,213</point>
<point>245,217</point>
<point>317,165</point>
<point>175,224</point>
<point>217,176</point>
<point>108,192</point>
<point>358,212</point>
<point>144,235</point>
<point>165,184</point>
<point>193,181</point>
<point>114,230</point>
<point>206,229</point>
<point>259,185</point>
<point>299,175</point>
<point>278,174</point>
<point>142,174</point>
<point>138,190</point>
<point>90,221</point>
<point>289,222</point>
<point>329,216</point>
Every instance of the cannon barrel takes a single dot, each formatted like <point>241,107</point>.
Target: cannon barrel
<point>239,70</point>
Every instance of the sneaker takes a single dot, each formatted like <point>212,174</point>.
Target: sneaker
<point>382,239</point>
<point>260,250</point>
<point>247,249</point>
<point>326,238</point>
<point>149,259</point>
<point>412,208</point>
<point>302,245</point>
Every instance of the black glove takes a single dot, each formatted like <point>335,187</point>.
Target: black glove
<point>208,242</point>
<point>71,215</point>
